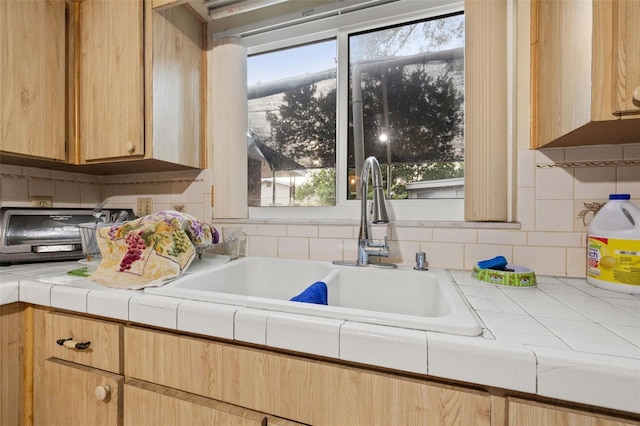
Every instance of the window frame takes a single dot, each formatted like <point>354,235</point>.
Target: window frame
<point>340,28</point>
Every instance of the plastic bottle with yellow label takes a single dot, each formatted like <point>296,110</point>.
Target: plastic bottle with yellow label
<point>613,246</point>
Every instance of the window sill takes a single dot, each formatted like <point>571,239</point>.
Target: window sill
<point>397,223</point>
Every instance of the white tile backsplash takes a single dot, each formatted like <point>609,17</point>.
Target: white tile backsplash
<point>554,184</point>
<point>325,249</point>
<point>310,231</point>
<point>549,239</point>
<point>293,248</point>
<point>554,215</point>
<point>594,153</point>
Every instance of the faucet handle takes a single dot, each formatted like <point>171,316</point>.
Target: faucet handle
<point>384,244</point>
<point>378,249</point>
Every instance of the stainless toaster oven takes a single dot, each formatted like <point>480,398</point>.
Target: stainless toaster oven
<point>41,235</point>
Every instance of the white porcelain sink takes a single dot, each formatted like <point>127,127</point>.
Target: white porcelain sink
<point>403,297</point>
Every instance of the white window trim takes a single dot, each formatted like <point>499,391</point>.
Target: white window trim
<point>394,13</point>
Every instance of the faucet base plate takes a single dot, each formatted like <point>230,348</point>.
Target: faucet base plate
<point>366,265</point>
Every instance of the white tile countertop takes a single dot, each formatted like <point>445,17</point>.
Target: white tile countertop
<point>563,339</point>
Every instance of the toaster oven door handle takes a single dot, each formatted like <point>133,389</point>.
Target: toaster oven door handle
<point>56,248</point>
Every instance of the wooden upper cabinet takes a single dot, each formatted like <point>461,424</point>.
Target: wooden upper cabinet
<point>141,74</point>
<point>626,23</point>
<point>585,69</point>
<point>32,78</point>
<point>111,79</point>
<point>177,86</point>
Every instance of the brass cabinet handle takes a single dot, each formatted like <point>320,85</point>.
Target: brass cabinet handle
<point>70,343</point>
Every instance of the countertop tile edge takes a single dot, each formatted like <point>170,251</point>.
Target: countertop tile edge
<point>486,362</point>
<point>599,380</point>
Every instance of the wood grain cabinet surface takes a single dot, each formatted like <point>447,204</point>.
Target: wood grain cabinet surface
<point>585,72</point>
<point>302,390</point>
<point>523,412</point>
<point>626,57</point>
<point>141,84</point>
<point>148,404</point>
<point>11,364</point>
<point>104,341</point>
<point>32,79</point>
<point>77,395</point>
<point>78,386</point>
<point>176,379</point>
<point>111,79</point>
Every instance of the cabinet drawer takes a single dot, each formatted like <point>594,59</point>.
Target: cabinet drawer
<point>104,340</point>
<point>149,404</point>
<point>290,387</point>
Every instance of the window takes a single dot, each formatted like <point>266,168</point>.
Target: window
<point>490,99</point>
<point>409,80</point>
<point>416,175</point>
<point>292,126</point>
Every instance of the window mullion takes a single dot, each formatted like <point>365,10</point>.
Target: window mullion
<point>342,119</point>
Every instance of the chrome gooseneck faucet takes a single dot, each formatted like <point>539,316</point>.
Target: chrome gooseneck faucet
<point>367,248</point>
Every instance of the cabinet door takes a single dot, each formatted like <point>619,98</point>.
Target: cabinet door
<point>522,412</point>
<point>111,68</point>
<point>311,392</point>
<point>32,78</point>
<point>72,395</point>
<point>148,404</point>
<point>626,15</point>
<point>11,364</point>
<point>178,74</point>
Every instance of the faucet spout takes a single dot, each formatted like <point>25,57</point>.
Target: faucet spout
<point>371,167</point>
<point>366,248</point>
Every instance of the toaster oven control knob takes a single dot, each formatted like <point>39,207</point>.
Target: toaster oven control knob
<point>103,392</point>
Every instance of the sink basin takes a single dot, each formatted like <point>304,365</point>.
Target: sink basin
<point>403,297</point>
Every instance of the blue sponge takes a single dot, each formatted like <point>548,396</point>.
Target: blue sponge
<point>498,263</point>
<point>315,293</point>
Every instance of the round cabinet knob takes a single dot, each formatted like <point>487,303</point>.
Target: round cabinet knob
<point>636,94</point>
<point>103,392</point>
<point>131,147</point>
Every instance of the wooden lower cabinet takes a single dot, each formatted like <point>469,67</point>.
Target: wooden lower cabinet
<point>529,413</point>
<point>76,386</point>
<point>79,395</point>
<point>303,390</point>
<point>165,378</point>
<point>148,404</point>
<point>11,364</point>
